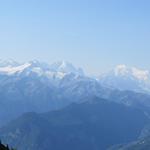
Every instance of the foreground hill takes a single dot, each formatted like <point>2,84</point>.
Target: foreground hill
<point>93,125</point>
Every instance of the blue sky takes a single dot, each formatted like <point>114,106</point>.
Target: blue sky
<point>93,34</point>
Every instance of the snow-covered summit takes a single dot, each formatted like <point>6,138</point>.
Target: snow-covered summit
<point>9,70</point>
<point>65,67</point>
<point>127,78</point>
<point>123,70</point>
<point>58,69</point>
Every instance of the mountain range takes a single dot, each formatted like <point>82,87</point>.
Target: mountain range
<point>65,102</point>
<point>40,87</point>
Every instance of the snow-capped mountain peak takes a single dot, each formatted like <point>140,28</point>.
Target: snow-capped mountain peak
<point>65,67</point>
<point>140,74</point>
<point>127,78</point>
<point>57,70</point>
<point>9,70</point>
<point>123,70</point>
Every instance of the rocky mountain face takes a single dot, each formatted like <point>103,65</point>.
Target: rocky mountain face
<point>95,124</point>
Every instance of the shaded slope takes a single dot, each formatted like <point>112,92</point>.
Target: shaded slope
<point>96,124</point>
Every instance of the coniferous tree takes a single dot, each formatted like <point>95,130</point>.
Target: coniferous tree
<point>3,147</point>
<point>7,147</point>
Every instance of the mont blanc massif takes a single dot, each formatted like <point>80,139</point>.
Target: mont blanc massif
<point>59,107</point>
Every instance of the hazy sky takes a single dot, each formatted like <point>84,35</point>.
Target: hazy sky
<point>93,34</point>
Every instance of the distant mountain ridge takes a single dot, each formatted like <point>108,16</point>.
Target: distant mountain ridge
<point>121,77</point>
<point>40,87</point>
<point>11,67</point>
<point>127,78</point>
